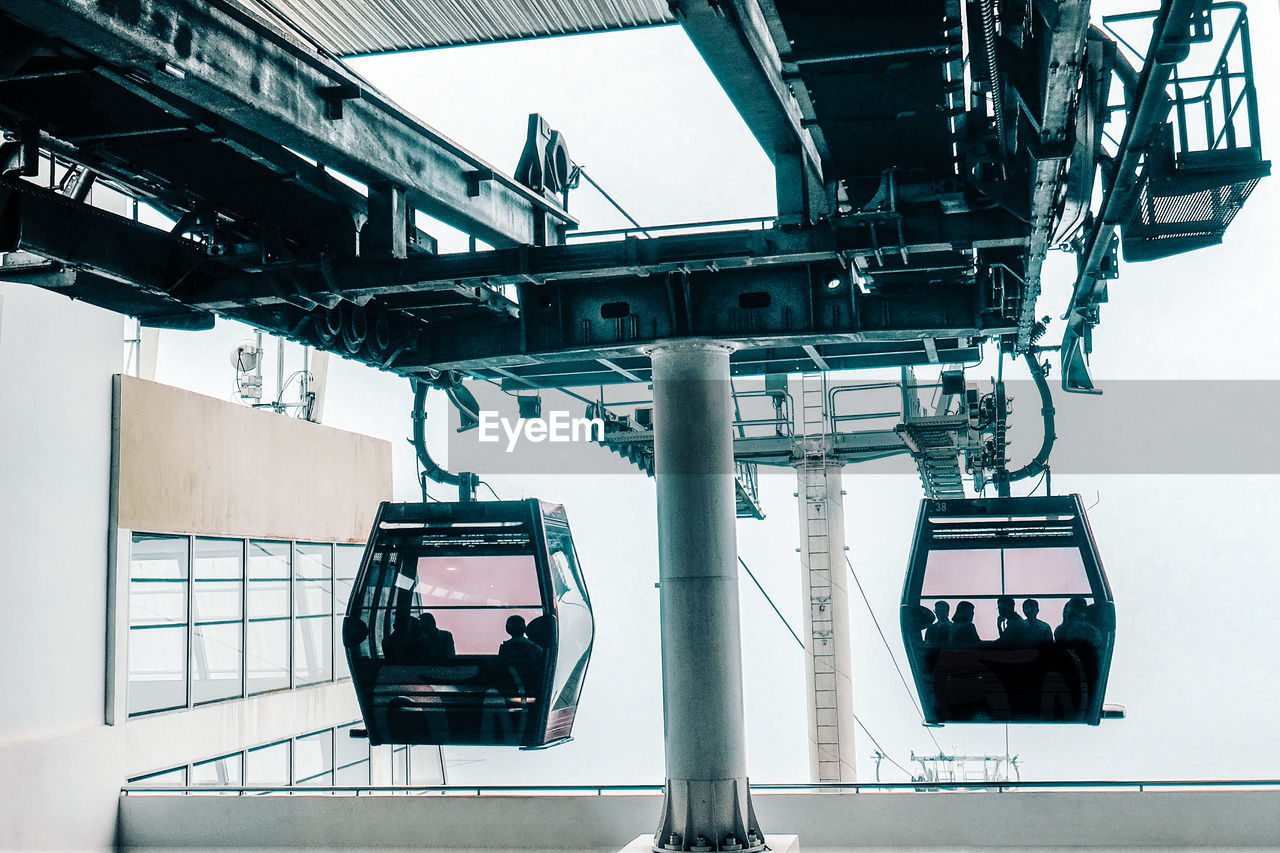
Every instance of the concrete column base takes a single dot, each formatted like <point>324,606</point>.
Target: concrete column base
<point>774,843</point>
<point>692,805</point>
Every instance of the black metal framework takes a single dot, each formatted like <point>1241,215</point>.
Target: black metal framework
<point>469,624</point>
<point>986,559</point>
<point>1207,157</point>
<point>1189,156</point>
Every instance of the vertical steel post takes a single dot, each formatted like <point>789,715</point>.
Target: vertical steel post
<point>707,804</point>
<point>828,653</point>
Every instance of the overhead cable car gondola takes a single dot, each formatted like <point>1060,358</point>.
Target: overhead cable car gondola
<point>1007,616</point>
<point>469,623</point>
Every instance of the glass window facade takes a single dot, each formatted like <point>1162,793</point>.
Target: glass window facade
<point>330,757</point>
<point>269,766</point>
<point>216,619</point>
<point>269,611</point>
<point>158,597</point>
<point>217,614</point>
<point>313,613</point>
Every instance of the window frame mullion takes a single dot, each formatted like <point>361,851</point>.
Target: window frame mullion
<point>191,620</point>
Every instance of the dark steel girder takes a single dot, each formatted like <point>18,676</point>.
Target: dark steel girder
<point>771,292</point>
<point>395,280</point>
<point>1060,69</point>
<point>780,308</point>
<point>218,58</point>
<point>562,370</point>
<point>42,222</point>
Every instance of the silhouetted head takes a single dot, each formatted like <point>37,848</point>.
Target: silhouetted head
<point>1031,607</point>
<point>428,622</point>
<point>964,612</point>
<point>1077,608</point>
<point>515,626</point>
<point>1006,606</point>
<point>942,609</point>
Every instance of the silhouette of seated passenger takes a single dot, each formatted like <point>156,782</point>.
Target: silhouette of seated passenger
<point>542,630</point>
<point>519,649</point>
<point>1075,628</point>
<point>1040,632</point>
<point>402,646</point>
<point>963,632</point>
<point>434,644</point>
<point>939,633</point>
<point>1013,630</point>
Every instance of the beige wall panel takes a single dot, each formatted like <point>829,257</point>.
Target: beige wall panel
<point>194,464</point>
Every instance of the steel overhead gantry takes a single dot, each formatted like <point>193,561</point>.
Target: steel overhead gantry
<point>929,153</point>
<point>259,148</point>
<point>1189,156</point>
<point>217,60</point>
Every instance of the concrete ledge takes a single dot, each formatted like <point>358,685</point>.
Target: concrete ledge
<point>1182,820</point>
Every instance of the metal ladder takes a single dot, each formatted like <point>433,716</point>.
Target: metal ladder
<point>815,428</point>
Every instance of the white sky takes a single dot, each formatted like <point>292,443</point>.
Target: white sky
<point>1190,559</point>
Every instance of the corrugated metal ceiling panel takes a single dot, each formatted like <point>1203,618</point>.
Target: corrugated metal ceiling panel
<point>355,27</point>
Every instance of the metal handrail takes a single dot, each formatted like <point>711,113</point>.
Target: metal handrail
<point>1137,785</point>
<point>677,226</point>
<point>836,390</point>
<point>785,420</point>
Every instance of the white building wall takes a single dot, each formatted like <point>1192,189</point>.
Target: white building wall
<point>61,766</point>
<point>56,362</point>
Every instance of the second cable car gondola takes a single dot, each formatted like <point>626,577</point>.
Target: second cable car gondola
<point>1007,616</point>
<point>469,623</point>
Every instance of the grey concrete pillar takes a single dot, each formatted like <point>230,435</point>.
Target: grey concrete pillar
<point>707,804</point>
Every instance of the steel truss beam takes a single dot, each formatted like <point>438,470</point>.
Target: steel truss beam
<point>852,239</point>
<point>217,57</point>
<point>769,291</point>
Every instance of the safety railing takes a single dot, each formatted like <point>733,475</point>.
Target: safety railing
<point>780,424</point>
<point>975,786</point>
<point>1216,83</point>
<point>761,222</point>
<point>837,391</point>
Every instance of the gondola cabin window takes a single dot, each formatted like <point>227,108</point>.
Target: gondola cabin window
<point>1049,576</point>
<point>472,597</point>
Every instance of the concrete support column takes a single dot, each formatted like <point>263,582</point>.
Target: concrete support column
<point>828,653</point>
<point>707,806</point>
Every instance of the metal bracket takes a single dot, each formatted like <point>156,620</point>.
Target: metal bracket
<point>334,96</point>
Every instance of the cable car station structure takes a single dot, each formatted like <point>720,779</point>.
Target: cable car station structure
<point>928,155</point>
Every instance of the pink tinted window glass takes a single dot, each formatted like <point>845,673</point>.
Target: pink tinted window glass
<point>495,581</point>
<point>479,632</point>
<point>962,572</point>
<point>1032,571</point>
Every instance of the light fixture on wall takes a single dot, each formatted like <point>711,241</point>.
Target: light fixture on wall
<point>246,358</point>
